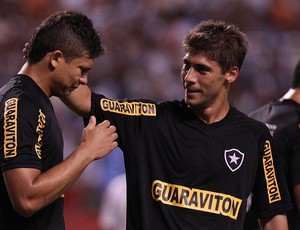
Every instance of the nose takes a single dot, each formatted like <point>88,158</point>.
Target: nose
<point>189,75</point>
<point>83,79</point>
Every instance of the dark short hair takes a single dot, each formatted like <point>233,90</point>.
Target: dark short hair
<point>219,41</point>
<point>70,32</point>
<point>296,76</point>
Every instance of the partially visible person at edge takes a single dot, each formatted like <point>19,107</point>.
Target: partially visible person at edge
<point>191,164</point>
<point>282,117</point>
<point>112,210</point>
<point>34,175</point>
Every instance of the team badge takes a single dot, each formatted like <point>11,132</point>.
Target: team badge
<point>234,159</point>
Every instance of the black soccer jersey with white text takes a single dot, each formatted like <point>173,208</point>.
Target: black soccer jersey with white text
<point>283,120</point>
<point>185,174</point>
<point>30,138</point>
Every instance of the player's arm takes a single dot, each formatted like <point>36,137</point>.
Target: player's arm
<point>294,167</point>
<point>297,195</point>
<point>79,100</point>
<point>30,190</point>
<point>278,222</point>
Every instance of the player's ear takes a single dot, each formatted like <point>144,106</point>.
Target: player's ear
<point>232,74</point>
<point>55,57</point>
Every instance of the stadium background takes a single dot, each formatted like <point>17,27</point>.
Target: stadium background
<point>143,59</point>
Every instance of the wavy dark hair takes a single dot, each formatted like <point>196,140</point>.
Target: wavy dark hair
<point>70,32</point>
<point>219,41</point>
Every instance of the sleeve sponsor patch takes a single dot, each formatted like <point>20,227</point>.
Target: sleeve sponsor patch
<point>128,108</point>
<point>10,127</point>
<point>270,176</point>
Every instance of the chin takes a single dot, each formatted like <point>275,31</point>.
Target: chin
<point>189,102</point>
<point>193,104</point>
<point>66,93</point>
<point>62,94</point>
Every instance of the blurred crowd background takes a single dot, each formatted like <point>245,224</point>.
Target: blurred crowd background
<point>143,59</point>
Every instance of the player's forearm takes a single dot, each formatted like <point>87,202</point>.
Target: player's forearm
<point>30,195</point>
<point>79,101</point>
<point>53,183</point>
<point>278,222</point>
<point>30,190</point>
<point>297,195</point>
<point>97,141</point>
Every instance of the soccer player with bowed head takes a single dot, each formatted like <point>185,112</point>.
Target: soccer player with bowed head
<point>34,175</point>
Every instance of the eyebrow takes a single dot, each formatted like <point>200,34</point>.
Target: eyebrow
<point>202,67</point>
<point>85,69</point>
<point>197,66</point>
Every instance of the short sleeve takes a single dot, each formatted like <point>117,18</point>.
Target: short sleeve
<point>295,158</point>
<point>270,194</point>
<point>23,124</point>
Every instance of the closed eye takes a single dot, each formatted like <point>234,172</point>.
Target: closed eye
<point>202,68</point>
<point>186,65</point>
<point>84,70</point>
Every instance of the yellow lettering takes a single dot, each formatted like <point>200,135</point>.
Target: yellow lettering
<point>196,199</point>
<point>10,127</point>
<point>270,176</point>
<point>40,130</point>
<point>128,108</point>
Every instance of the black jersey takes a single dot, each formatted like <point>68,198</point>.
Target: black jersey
<point>185,174</point>
<point>30,138</point>
<point>283,121</point>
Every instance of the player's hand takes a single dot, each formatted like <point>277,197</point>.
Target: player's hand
<point>99,140</point>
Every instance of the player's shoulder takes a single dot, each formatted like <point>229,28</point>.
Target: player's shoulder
<point>288,106</point>
<point>175,104</point>
<point>11,92</point>
<point>250,123</point>
<point>23,93</point>
<point>177,109</point>
<point>277,111</point>
<point>19,86</point>
<point>277,106</point>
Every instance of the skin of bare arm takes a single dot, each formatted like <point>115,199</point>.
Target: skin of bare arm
<point>30,190</point>
<point>297,195</point>
<point>278,222</point>
<point>79,101</point>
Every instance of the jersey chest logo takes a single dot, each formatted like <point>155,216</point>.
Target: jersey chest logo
<point>234,159</point>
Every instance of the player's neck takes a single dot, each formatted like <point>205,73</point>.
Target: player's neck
<point>212,114</point>
<point>292,94</point>
<point>35,72</point>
